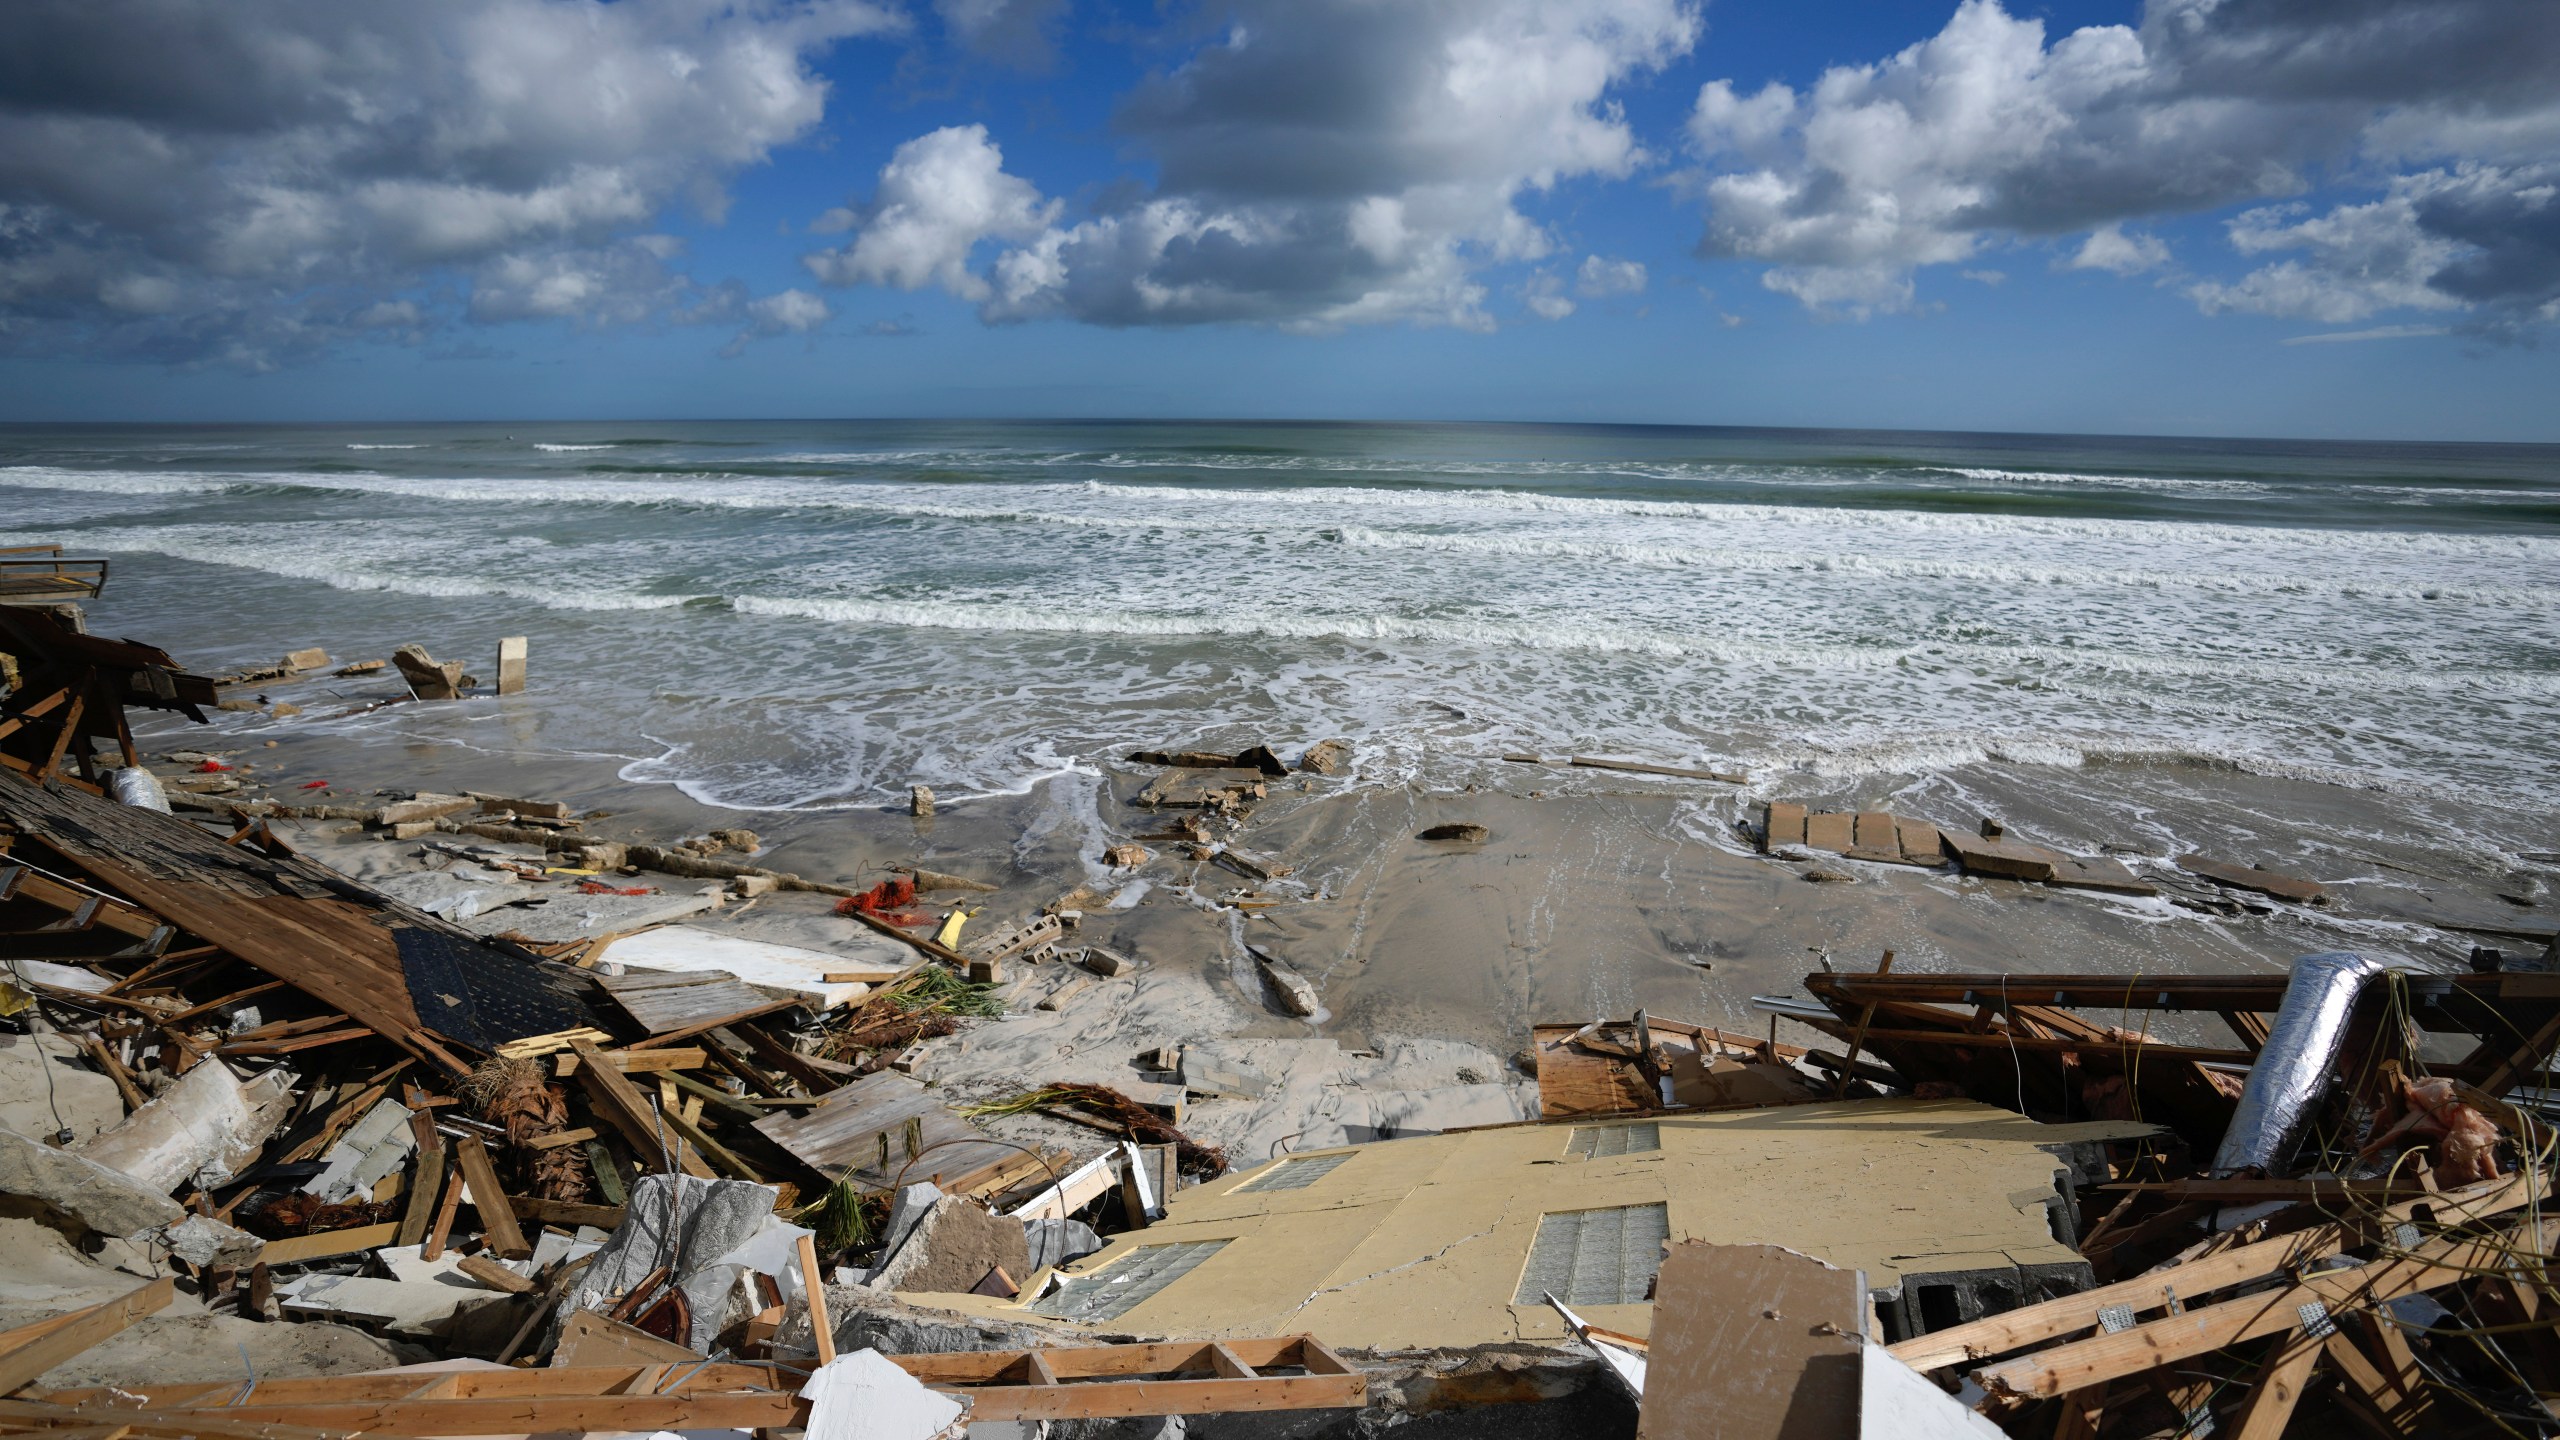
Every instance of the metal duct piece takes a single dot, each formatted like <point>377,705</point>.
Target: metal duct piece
<point>2293,1067</point>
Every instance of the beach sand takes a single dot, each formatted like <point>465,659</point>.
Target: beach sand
<point>1593,894</point>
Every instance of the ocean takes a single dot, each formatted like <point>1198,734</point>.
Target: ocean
<point>805,615</point>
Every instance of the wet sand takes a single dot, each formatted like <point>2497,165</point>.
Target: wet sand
<point>1594,894</point>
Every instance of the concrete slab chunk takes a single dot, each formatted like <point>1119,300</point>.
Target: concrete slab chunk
<point>74,1190</point>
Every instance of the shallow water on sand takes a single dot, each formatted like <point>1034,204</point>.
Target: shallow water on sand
<point>783,615</point>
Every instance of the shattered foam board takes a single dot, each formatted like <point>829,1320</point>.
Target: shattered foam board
<point>786,969</point>
<point>420,1295</point>
<point>862,1396</point>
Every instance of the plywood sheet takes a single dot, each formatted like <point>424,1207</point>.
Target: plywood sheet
<point>1574,1081</point>
<point>1753,1342</point>
<point>663,1001</point>
<point>846,1134</point>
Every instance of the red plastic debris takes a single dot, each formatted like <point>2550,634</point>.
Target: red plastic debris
<point>598,887</point>
<point>315,784</point>
<point>885,900</point>
<point>210,767</point>
<point>895,893</point>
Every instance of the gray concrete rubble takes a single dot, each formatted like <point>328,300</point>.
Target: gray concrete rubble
<point>953,1248</point>
<point>75,1191</point>
<point>202,1128</point>
<point>202,1241</point>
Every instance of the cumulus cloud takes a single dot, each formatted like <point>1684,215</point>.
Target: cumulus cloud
<point>247,182</point>
<point>787,312</point>
<point>2356,260</point>
<point>940,195</point>
<point>1323,163</point>
<point>1986,133</point>
<point>2109,248</point>
<point>1601,276</point>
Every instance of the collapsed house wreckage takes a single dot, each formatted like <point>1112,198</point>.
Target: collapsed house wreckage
<point>690,1172</point>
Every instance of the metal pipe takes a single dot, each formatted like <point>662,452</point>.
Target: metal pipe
<point>2293,1068</point>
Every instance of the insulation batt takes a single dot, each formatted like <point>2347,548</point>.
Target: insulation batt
<point>2434,1114</point>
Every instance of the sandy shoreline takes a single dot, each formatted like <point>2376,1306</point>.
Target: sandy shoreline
<point>1594,894</point>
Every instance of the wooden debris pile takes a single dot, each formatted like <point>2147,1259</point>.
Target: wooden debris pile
<point>2343,1223</point>
<point>344,1105</point>
<point>623,1380</point>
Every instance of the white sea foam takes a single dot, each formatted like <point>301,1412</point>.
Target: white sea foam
<point>565,449</point>
<point>353,445</point>
<point>1896,567</point>
<point>1036,605</point>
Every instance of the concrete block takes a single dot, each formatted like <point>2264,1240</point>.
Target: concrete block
<point>511,652</point>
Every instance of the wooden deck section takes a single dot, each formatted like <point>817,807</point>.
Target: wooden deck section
<point>41,575</point>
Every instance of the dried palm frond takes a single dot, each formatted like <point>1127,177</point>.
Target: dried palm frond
<point>512,1092</point>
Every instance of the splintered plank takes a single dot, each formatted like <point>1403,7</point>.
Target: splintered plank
<point>879,1128</point>
<point>2014,1330</point>
<point>2076,1365</point>
<point>327,1244</point>
<point>1836,832</point>
<point>58,1339</point>
<point>497,1222</point>
<point>1786,823</point>
<point>669,1000</point>
<point>620,1102</point>
<point>1638,767</point>
<point>2263,882</point>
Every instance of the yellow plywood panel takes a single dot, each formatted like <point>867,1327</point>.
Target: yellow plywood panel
<point>1422,1242</point>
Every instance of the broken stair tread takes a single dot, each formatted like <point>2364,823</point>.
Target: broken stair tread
<point>2099,872</point>
<point>1835,832</point>
<point>2012,858</point>
<point>1785,825</point>
<point>2264,882</point>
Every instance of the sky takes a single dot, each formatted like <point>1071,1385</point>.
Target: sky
<point>2317,218</point>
